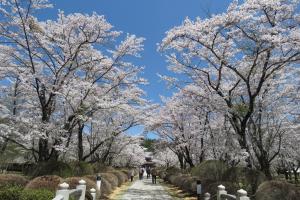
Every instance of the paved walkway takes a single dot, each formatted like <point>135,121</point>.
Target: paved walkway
<point>145,190</point>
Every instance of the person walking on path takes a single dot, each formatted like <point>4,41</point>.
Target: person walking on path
<point>148,172</point>
<point>141,173</point>
<point>131,174</point>
<point>154,174</point>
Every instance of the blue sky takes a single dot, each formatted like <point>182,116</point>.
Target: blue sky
<point>145,18</point>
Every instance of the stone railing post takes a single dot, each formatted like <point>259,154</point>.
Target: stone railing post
<point>82,186</point>
<point>93,193</point>
<point>221,190</point>
<point>63,191</point>
<point>207,196</point>
<point>242,195</point>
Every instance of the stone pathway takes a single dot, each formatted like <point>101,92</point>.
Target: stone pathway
<point>145,190</point>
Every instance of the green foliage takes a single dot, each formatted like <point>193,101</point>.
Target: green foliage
<point>17,193</point>
<point>36,194</point>
<point>210,170</point>
<point>149,144</point>
<point>241,109</point>
<point>247,179</point>
<point>282,190</point>
<point>81,168</point>
<point>10,193</point>
<point>12,152</point>
<point>50,168</point>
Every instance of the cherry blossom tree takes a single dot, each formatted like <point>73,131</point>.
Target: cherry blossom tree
<point>65,72</point>
<point>234,57</point>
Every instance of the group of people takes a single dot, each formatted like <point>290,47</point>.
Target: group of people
<point>149,171</point>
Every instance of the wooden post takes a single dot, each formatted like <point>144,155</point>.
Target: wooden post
<point>63,191</point>
<point>93,193</point>
<point>207,196</point>
<point>82,186</point>
<point>221,190</point>
<point>242,195</point>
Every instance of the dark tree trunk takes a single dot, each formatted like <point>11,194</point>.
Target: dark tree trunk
<point>181,160</point>
<point>80,142</point>
<point>43,153</point>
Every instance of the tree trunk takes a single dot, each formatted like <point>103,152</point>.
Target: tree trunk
<point>43,152</point>
<point>80,142</point>
<point>265,166</point>
<point>181,160</point>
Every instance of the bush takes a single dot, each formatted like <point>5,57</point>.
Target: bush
<point>125,174</point>
<point>100,167</point>
<point>81,168</point>
<point>282,190</point>
<point>12,180</point>
<point>106,187</point>
<point>122,178</point>
<point>10,193</point>
<point>190,184</point>
<point>45,182</point>
<point>210,170</point>
<point>51,168</point>
<point>171,179</point>
<point>248,179</point>
<point>162,174</point>
<point>180,181</point>
<point>36,194</point>
<point>173,170</point>
<point>16,193</point>
<point>111,178</point>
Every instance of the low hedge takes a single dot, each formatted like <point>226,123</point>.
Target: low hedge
<point>111,178</point>
<point>17,193</point>
<point>282,190</point>
<point>36,194</point>
<point>248,179</point>
<point>106,187</point>
<point>81,168</point>
<point>122,178</point>
<point>210,170</point>
<point>12,180</point>
<point>45,182</point>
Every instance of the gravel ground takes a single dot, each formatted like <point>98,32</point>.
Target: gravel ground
<point>144,189</point>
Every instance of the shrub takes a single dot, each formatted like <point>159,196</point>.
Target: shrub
<point>210,169</point>
<point>45,182</point>
<point>106,188</point>
<point>180,181</point>
<point>248,179</point>
<point>162,174</point>
<point>173,170</point>
<point>10,193</point>
<point>17,193</point>
<point>111,178</point>
<point>171,179</point>
<point>121,177</point>
<point>100,167</point>
<point>36,194</point>
<point>282,190</point>
<point>125,174</point>
<point>190,184</point>
<point>51,168</point>
<point>12,180</point>
<point>81,168</point>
